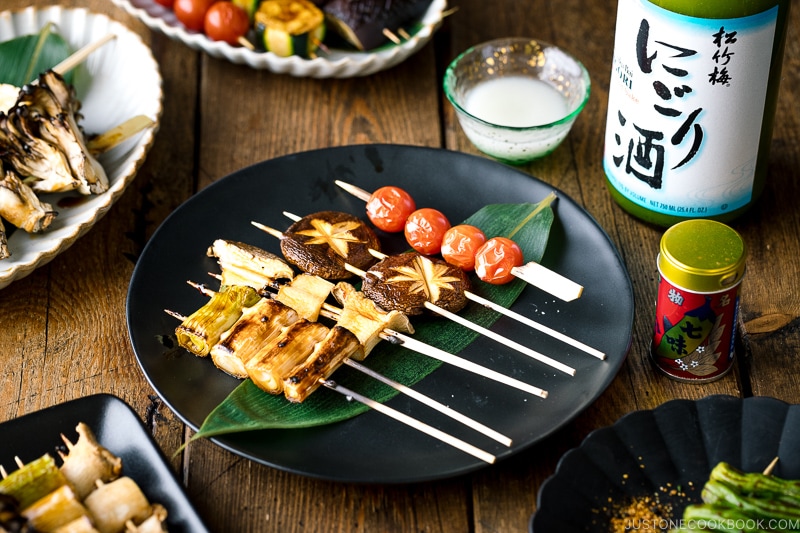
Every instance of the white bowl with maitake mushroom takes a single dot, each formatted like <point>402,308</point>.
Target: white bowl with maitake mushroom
<point>73,136</point>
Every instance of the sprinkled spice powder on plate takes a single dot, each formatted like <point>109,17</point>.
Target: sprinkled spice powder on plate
<point>650,512</point>
<point>644,513</point>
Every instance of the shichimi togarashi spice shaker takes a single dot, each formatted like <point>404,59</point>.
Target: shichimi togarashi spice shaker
<point>701,264</point>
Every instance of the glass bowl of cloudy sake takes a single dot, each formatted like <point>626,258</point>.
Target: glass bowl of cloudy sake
<point>516,98</point>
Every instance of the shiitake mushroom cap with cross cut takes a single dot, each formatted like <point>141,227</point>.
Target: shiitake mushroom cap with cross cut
<point>404,282</point>
<point>322,243</point>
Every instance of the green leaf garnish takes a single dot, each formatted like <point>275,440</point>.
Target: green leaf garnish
<point>248,408</point>
<point>23,58</point>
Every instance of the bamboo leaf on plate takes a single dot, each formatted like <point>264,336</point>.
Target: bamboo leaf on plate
<point>248,408</point>
<point>23,58</point>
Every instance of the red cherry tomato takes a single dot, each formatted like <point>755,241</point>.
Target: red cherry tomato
<point>389,208</point>
<point>166,3</point>
<point>225,21</point>
<point>425,229</point>
<point>495,259</point>
<point>192,13</point>
<point>460,244</point>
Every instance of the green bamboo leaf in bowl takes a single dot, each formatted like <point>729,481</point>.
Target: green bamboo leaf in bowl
<point>23,58</point>
<point>248,408</point>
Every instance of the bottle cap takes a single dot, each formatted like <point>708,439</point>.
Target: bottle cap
<point>702,256</point>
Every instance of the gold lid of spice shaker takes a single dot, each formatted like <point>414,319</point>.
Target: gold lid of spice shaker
<point>702,255</point>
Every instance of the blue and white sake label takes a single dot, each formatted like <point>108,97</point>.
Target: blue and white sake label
<point>685,109</point>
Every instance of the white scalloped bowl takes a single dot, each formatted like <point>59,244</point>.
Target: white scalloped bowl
<point>117,82</point>
<point>336,64</point>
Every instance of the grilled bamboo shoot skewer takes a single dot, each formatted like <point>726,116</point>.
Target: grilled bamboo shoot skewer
<point>455,318</point>
<point>396,337</point>
<point>416,424</point>
<point>532,273</point>
<point>420,397</point>
<point>523,319</point>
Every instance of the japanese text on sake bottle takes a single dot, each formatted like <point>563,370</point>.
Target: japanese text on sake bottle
<point>691,104</point>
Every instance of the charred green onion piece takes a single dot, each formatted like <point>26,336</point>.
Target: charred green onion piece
<point>202,329</point>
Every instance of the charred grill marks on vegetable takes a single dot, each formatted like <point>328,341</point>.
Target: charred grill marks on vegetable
<point>20,205</point>
<point>44,142</point>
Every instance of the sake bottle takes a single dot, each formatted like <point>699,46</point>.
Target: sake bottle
<point>691,104</point>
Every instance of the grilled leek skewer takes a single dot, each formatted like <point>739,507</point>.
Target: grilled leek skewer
<point>202,329</point>
<point>54,510</point>
<point>33,481</point>
<point>258,325</point>
<point>278,357</point>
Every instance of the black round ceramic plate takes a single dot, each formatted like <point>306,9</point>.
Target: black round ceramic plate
<point>118,428</point>
<point>675,446</point>
<point>371,448</point>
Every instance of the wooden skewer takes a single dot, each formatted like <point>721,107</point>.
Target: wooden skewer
<point>770,467</point>
<point>394,337</point>
<point>532,273</point>
<point>449,12</point>
<point>430,402</point>
<point>245,43</point>
<point>416,424</point>
<point>389,34</point>
<point>79,56</point>
<point>452,316</point>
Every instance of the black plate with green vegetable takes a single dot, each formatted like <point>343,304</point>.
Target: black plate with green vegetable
<point>371,447</point>
<point>666,454</point>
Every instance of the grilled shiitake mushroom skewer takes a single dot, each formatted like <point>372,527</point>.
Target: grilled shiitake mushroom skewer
<point>427,281</point>
<point>322,243</point>
<point>532,272</point>
<point>374,277</point>
<point>469,295</point>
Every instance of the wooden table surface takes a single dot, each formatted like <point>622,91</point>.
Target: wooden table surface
<point>63,332</point>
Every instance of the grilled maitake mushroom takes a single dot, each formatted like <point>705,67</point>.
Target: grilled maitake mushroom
<point>44,123</point>
<point>20,206</point>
